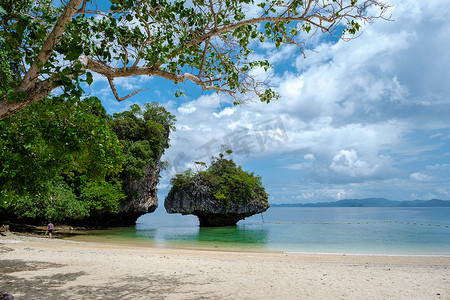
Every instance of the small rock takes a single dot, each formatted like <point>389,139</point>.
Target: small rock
<point>6,296</point>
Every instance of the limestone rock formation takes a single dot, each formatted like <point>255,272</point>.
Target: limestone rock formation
<point>146,199</point>
<point>198,198</point>
<point>143,201</point>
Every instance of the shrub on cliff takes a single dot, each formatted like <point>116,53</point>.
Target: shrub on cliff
<point>221,195</point>
<point>225,181</point>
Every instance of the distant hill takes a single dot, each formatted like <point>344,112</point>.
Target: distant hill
<point>371,202</point>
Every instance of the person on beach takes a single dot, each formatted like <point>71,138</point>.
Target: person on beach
<point>49,229</point>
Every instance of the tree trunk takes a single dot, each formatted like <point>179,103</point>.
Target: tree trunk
<point>36,90</point>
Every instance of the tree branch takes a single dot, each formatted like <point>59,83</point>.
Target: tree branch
<point>203,58</point>
<point>83,7</point>
<point>182,46</point>
<point>303,18</point>
<point>46,51</point>
<point>113,88</point>
<point>39,91</point>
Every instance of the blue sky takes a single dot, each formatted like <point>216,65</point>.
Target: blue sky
<point>365,118</point>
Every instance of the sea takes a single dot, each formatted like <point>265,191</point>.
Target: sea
<point>324,230</point>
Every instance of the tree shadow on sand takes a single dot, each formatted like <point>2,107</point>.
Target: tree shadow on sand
<point>150,286</point>
<point>37,287</point>
<point>142,287</point>
<point>18,265</point>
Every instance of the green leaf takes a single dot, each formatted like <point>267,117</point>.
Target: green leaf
<point>89,78</point>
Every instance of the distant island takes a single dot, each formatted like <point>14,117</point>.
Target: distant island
<point>371,202</point>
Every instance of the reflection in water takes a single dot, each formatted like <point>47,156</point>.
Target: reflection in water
<point>177,230</point>
<point>150,233</point>
<point>331,230</point>
<point>233,235</point>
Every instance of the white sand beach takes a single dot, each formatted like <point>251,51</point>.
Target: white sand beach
<point>39,268</point>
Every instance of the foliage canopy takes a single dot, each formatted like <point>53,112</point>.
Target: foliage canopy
<point>51,137</point>
<point>67,160</point>
<point>45,46</point>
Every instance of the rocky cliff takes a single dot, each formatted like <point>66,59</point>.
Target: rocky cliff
<point>142,199</point>
<point>145,199</point>
<point>197,198</point>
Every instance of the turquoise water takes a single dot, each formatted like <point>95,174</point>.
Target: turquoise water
<point>303,230</point>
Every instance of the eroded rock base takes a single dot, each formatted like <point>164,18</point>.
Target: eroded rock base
<point>219,220</point>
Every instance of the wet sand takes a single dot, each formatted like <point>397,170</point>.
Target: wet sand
<point>39,268</point>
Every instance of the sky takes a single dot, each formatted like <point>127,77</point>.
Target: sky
<point>358,119</point>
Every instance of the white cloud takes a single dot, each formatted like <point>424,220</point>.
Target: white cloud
<point>421,177</point>
<point>227,111</point>
<point>324,193</point>
<point>187,109</point>
<point>309,157</point>
<point>439,167</point>
<point>349,114</point>
<point>348,163</point>
<point>297,166</point>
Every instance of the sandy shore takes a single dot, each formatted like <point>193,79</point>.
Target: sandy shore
<point>39,268</point>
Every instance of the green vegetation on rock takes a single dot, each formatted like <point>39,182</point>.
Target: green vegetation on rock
<point>225,181</point>
<point>221,195</point>
<point>76,161</point>
<point>144,134</point>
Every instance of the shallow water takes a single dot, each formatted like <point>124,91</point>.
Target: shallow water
<point>412,231</point>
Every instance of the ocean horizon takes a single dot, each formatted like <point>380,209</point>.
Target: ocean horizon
<point>328,230</point>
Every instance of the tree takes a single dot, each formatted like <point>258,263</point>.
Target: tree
<point>52,137</point>
<point>69,160</point>
<point>144,133</point>
<point>205,41</point>
<point>60,204</point>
